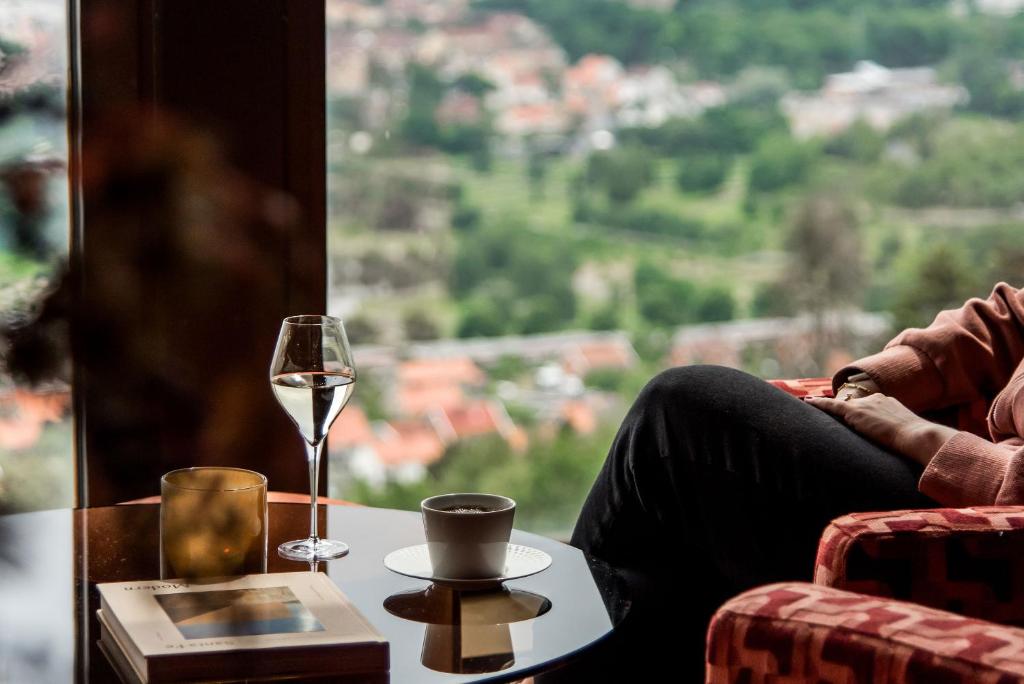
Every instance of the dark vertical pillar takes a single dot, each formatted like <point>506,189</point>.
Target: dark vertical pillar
<point>174,372</point>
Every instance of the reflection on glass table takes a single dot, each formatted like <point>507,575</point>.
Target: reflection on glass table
<point>469,632</point>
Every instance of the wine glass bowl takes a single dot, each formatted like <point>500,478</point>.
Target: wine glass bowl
<point>312,376</point>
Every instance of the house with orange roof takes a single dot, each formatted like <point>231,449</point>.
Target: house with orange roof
<point>24,413</point>
<point>458,108</point>
<point>579,416</point>
<point>398,450</point>
<point>591,86</point>
<point>422,385</point>
<point>544,118</point>
<point>476,419</point>
<point>352,428</point>
<point>612,352</point>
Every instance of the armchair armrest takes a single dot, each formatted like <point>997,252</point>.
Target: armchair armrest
<point>967,560</point>
<point>797,632</point>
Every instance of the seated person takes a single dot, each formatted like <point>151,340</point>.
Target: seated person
<point>718,481</point>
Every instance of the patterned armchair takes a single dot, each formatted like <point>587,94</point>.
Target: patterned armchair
<point>902,597</point>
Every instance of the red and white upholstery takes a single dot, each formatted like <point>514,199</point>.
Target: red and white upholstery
<point>900,597</point>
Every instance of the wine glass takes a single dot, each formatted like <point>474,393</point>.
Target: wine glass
<point>312,376</point>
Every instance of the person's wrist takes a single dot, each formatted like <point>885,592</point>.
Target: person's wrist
<point>922,439</point>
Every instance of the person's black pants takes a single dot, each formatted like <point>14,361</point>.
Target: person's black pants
<point>718,482</point>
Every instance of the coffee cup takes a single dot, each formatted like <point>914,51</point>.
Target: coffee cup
<point>467,534</point>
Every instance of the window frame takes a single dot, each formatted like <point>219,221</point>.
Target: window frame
<point>178,56</point>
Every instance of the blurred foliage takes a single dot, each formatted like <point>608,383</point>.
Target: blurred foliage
<point>716,304</point>
<point>731,128</point>
<point>508,367</point>
<point>807,38</point>
<point>780,162</point>
<point>511,285</point>
<point>703,172</point>
<point>420,326</point>
<point>620,173</point>
<point>968,164</point>
<point>860,143</point>
<point>549,482</point>
<point>941,278</point>
<point>39,476</point>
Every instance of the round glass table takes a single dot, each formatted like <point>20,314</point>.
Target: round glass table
<point>51,561</point>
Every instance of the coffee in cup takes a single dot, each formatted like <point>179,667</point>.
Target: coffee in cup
<point>467,534</point>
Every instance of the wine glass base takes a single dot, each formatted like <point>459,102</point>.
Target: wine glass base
<point>312,549</point>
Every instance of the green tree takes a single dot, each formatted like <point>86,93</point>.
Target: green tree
<point>474,84</point>
<point>860,142</point>
<point>425,90</point>
<point>827,270</point>
<point>779,162</point>
<point>607,317</point>
<point>909,37</point>
<point>987,79</point>
<point>662,300</point>
<point>482,318</point>
<point>361,329</point>
<point>702,173</point>
<point>942,279</point>
<point>536,171</point>
<point>544,313</point>
<point>715,304</point>
<point>621,173</point>
<point>465,217</point>
<point>419,326</point>
<point>773,300</point>
<point>972,163</point>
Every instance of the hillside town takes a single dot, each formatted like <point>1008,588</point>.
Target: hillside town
<point>692,263</point>
<point>534,91</point>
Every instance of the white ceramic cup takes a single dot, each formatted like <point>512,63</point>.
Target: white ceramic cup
<point>468,545</point>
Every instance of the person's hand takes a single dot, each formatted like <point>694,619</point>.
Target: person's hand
<point>890,424</point>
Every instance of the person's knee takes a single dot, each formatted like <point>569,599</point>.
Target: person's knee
<point>686,386</point>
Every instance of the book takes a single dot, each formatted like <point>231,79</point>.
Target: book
<point>251,627</point>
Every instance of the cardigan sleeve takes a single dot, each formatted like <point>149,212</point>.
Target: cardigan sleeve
<point>964,355</point>
<point>971,471</point>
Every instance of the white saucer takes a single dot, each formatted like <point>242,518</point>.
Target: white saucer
<point>414,561</point>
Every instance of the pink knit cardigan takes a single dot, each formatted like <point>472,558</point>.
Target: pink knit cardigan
<point>970,362</point>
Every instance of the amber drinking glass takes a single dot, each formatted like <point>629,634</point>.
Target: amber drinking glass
<point>213,523</point>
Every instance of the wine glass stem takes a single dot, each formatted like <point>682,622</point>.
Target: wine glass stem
<point>313,452</point>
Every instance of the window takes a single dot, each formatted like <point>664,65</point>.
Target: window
<point>536,205</point>
<point>36,460</point>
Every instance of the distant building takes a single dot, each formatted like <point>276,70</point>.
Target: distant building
<point>397,451</point>
<point>458,49</point>
<point>423,385</point>
<point>477,419</point>
<point>649,96</point>
<point>24,413</point>
<point>459,108</point>
<point>486,350</point>
<point>402,449</point>
<point>1004,8</point>
<point>429,13</point>
<point>590,88</point>
<point>436,393</point>
<point>547,118</point>
<point>616,353</point>
<point>789,340</point>
<point>870,93</point>
<point>355,13</point>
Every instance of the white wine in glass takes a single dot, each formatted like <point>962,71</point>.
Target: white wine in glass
<point>313,377</point>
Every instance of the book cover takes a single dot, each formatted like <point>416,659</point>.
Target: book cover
<point>257,625</point>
